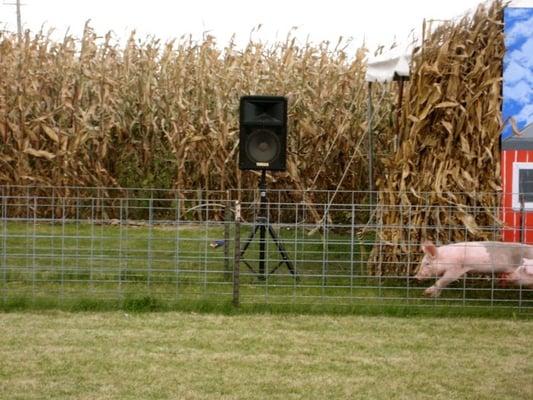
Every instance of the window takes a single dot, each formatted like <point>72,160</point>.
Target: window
<point>523,185</point>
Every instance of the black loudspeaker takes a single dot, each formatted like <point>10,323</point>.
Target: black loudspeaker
<point>263,133</point>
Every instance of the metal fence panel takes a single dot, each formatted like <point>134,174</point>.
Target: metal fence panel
<point>317,247</point>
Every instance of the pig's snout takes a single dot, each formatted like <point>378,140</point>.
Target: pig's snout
<point>419,277</point>
<point>423,273</point>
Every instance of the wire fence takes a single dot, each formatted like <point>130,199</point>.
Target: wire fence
<point>275,247</point>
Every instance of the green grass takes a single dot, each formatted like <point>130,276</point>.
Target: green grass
<point>69,265</point>
<point>123,355</point>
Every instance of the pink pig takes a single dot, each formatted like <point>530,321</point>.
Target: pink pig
<point>450,262</point>
<point>523,275</point>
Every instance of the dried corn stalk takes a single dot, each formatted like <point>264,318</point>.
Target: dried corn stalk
<point>440,183</point>
<point>86,112</point>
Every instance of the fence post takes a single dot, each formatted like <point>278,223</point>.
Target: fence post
<point>4,244</point>
<point>227,222</point>
<point>237,255</point>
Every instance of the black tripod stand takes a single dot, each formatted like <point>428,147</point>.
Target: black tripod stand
<point>261,225</point>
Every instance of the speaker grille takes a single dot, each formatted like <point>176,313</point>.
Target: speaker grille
<point>263,146</point>
<point>263,133</point>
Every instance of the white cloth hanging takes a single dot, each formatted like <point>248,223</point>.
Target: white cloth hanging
<point>385,67</point>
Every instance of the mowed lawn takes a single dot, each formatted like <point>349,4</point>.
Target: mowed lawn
<point>115,355</point>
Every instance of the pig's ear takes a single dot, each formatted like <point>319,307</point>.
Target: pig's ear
<point>429,248</point>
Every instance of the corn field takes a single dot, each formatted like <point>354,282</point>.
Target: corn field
<point>451,124</point>
<point>90,112</point>
<point>153,114</point>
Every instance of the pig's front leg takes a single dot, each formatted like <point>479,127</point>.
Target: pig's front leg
<point>448,277</point>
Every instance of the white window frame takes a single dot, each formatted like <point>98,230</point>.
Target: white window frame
<point>517,166</point>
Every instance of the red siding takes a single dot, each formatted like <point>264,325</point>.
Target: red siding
<point>510,217</point>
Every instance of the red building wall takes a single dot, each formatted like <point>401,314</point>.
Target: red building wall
<point>512,218</point>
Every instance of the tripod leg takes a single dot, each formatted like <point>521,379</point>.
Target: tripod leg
<point>277,266</point>
<point>249,239</point>
<point>262,240</point>
<point>246,244</point>
<point>249,266</point>
<point>282,251</point>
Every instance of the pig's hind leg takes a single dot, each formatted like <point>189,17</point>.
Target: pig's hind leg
<point>449,276</point>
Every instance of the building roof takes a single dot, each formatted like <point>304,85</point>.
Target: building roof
<point>520,4</point>
<point>524,141</point>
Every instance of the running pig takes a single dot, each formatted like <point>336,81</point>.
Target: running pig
<point>523,275</point>
<point>452,261</point>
